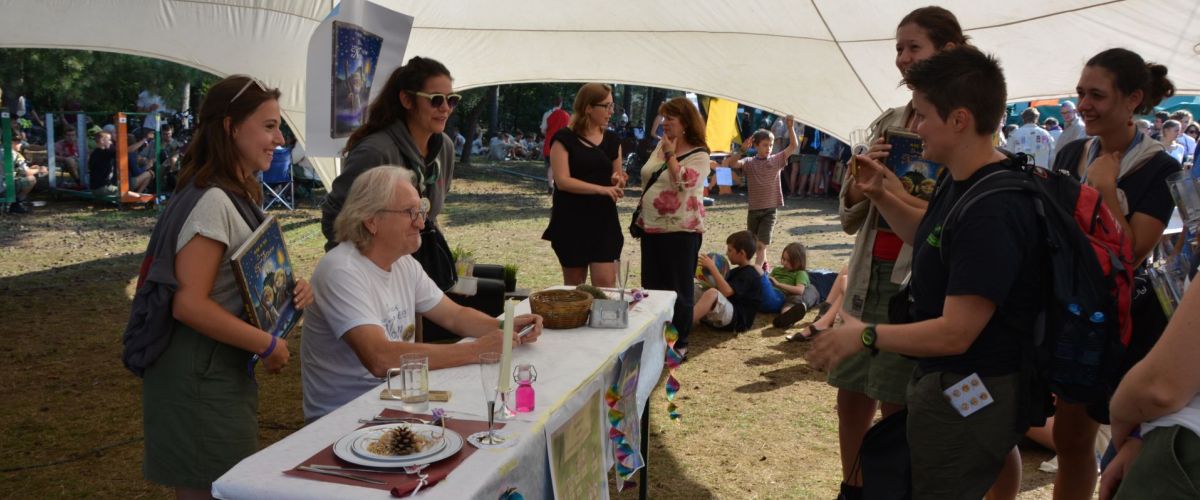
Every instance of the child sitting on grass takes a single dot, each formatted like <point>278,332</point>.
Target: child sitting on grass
<point>791,292</point>
<point>734,299</point>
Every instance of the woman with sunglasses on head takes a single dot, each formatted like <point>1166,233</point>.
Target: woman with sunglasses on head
<point>1130,171</point>
<point>672,214</point>
<point>199,404</point>
<point>585,159</point>
<point>405,125</point>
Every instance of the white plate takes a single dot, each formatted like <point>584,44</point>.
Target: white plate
<point>361,445</point>
<point>344,449</point>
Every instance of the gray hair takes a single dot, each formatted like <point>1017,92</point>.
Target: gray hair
<point>372,191</point>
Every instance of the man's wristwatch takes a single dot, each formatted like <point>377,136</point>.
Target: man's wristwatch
<point>868,338</point>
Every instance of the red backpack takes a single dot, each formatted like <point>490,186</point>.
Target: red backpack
<point>1086,325</point>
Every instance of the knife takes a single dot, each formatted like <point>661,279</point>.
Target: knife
<point>340,474</point>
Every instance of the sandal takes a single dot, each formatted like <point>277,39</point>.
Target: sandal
<point>799,336</point>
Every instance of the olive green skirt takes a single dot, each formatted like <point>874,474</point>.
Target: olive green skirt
<point>199,410</point>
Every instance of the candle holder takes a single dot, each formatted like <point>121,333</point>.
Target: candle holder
<point>504,405</point>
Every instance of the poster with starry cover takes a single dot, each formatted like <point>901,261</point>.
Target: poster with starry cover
<point>355,57</point>
<point>264,274</point>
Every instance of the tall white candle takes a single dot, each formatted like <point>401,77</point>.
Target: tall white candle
<point>506,353</point>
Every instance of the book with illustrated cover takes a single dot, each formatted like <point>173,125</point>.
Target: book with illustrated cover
<point>265,276</point>
<point>918,175</point>
<point>355,55</point>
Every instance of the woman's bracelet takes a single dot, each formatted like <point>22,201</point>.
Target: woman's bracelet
<point>270,349</point>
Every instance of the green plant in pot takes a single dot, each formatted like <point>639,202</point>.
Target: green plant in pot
<point>510,277</point>
<point>464,261</point>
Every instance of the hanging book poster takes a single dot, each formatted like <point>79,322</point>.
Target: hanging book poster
<point>575,442</point>
<point>918,175</point>
<point>264,273</point>
<point>355,55</point>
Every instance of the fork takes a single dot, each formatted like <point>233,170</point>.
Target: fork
<point>392,420</point>
<point>421,476</point>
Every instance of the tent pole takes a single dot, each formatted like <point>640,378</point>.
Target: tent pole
<point>51,162</point>
<point>10,189</point>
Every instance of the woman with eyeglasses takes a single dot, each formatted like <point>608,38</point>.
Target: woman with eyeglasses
<point>585,159</point>
<point>186,335</point>
<point>369,291</point>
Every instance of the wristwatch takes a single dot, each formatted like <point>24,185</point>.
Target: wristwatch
<point>868,338</point>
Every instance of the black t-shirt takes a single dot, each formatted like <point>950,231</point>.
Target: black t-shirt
<point>101,163</point>
<point>747,295</point>
<point>588,162</point>
<point>993,250</point>
<point>1145,189</point>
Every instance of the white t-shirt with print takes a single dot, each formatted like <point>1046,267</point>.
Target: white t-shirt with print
<point>350,291</point>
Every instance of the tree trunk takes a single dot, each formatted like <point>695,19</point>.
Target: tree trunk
<point>467,128</point>
<point>494,107</point>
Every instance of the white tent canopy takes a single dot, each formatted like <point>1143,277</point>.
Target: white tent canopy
<point>828,62</point>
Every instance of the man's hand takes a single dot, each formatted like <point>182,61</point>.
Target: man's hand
<point>520,322</point>
<point>303,295</point>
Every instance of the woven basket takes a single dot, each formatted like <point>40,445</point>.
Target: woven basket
<point>561,309</point>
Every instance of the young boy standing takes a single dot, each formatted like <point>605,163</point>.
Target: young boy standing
<point>763,183</point>
<point>733,301</point>
<point>977,285</point>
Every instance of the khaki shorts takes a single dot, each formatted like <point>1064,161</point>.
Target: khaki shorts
<point>721,314</point>
<point>761,222</point>
<point>883,377</point>
<point>955,456</point>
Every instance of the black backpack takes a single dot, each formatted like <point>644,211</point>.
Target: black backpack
<point>1085,326</point>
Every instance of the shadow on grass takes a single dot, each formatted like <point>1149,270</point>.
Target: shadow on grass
<point>811,229</point>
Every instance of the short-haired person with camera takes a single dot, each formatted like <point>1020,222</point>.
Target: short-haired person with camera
<point>976,284</point>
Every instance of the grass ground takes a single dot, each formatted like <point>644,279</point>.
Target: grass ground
<point>758,421</point>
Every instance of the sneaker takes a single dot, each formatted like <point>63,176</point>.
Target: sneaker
<point>790,316</point>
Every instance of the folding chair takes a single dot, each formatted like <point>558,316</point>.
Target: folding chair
<point>278,186</point>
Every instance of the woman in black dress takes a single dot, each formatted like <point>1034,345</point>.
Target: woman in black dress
<point>585,159</point>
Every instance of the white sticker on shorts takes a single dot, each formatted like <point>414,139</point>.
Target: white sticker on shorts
<point>968,395</point>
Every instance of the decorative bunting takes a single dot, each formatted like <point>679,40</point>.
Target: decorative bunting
<point>674,359</point>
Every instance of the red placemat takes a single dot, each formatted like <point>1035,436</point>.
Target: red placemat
<point>397,481</point>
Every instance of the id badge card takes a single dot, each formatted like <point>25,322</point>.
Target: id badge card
<point>968,395</point>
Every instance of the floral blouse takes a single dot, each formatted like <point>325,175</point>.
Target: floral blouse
<point>674,206</point>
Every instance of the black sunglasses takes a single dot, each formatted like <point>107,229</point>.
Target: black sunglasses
<point>437,100</point>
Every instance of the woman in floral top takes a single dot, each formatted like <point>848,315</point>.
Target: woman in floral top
<point>673,209</point>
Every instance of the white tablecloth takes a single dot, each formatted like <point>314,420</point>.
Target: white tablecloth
<point>571,364</point>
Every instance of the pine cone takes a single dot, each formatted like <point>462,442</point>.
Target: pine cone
<point>401,441</point>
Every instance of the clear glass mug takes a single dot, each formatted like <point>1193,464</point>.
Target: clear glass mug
<point>413,392</point>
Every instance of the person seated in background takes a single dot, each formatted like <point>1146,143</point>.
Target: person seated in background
<point>102,163</point>
<point>734,299</point>
<point>25,177</point>
<point>170,150</point>
<point>141,162</point>
<point>368,291</point>
<point>519,151</point>
<point>497,147</point>
<point>66,154</point>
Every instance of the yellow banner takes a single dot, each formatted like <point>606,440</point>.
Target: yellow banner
<point>722,125</point>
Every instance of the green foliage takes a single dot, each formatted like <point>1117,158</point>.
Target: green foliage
<point>510,272</point>
<point>99,81</point>
<point>461,254</point>
<point>521,105</point>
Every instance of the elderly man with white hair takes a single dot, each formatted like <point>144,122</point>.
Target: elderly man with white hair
<point>369,289</point>
<point>1072,126</point>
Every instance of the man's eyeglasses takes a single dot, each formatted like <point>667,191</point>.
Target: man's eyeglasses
<point>249,81</point>
<point>607,105</point>
<point>437,100</point>
<point>414,214</point>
